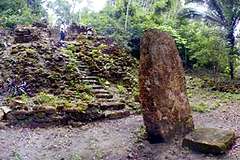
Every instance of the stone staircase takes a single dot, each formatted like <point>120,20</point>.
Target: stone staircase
<point>104,100</point>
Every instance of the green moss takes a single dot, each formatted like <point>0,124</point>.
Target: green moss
<point>200,107</point>
<point>25,98</point>
<point>47,99</point>
<point>72,65</point>
<point>75,157</point>
<point>86,97</point>
<point>81,106</point>
<point>121,89</point>
<point>210,99</point>
<point>30,50</point>
<point>68,104</point>
<point>83,87</point>
<point>72,48</point>
<point>141,134</point>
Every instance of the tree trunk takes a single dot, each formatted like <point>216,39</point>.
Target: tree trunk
<point>231,44</point>
<point>231,41</point>
<point>127,14</point>
<point>231,66</point>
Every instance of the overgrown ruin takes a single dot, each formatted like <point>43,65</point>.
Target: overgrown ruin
<point>45,83</point>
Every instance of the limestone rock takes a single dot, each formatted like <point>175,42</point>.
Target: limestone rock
<point>22,35</point>
<point>116,114</point>
<point>1,114</point>
<point>209,140</point>
<point>166,109</point>
<point>5,109</point>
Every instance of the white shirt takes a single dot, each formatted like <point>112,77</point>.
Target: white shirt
<point>63,28</point>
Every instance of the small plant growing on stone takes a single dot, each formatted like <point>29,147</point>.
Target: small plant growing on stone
<point>75,157</point>
<point>121,89</point>
<point>141,134</point>
<point>81,106</point>
<point>86,97</point>
<point>47,99</point>
<point>17,156</point>
<point>72,48</point>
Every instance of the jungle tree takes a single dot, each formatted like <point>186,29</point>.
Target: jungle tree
<point>224,13</point>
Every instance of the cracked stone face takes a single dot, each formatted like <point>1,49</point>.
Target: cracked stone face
<point>166,109</point>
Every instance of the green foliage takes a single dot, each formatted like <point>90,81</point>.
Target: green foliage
<point>75,157</point>
<point>47,99</point>
<point>121,89</point>
<point>86,97</point>
<point>222,13</point>
<point>142,16</point>
<point>65,11</point>
<point>17,156</point>
<point>72,65</point>
<point>19,12</point>
<point>205,46</point>
<point>141,134</point>
<point>25,99</point>
<point>201,107</point>
<point>44,98</point>
<point>204,99</point>
<point>201,46</point>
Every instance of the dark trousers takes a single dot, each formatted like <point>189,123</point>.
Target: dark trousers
<point>62,36</point>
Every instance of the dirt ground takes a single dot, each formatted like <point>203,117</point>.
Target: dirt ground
<point>226,117</point>
<point>111,140</point>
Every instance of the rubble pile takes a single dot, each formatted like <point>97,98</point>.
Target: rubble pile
<point>6,38</point>
<point>74,30</point>
<point>36,32</point>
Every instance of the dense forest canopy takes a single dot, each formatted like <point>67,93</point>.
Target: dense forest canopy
<point>206,31</point>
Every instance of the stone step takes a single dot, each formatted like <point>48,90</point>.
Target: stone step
<point>108,105</point>
<point>90,81</point>
<point>90,78</point>
<point>84,70</point>
<point>99,91</point>
<point>83,67</point>
<point>83,73</point>
<point>97,87</point>
<point>104,96</point>
<point>116,114</point>
<point>101,100</point>
<point>94,73</point>
<point>82,64</point>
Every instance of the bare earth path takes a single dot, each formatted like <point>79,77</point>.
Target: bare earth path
<point>110,140</point>
<point>106,140</point>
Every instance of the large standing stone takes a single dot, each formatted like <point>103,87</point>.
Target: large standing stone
<point>166,109</point>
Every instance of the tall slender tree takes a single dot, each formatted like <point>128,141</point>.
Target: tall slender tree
<point>224,13</point>
<point>127,14</point>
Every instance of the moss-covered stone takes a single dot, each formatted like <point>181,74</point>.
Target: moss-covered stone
<point>209,140</point>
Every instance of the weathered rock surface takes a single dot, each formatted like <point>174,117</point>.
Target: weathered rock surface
<point>74,30</point>
<point>23,35</point>
<point>1,114</point>
<point>26,34</point>
<point>5,109</point>
<point>166,109</point>
<point>209,140</point>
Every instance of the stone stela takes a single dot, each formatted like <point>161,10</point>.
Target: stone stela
<point>166,110</point>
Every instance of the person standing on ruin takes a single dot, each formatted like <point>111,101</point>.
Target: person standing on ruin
<point>62,32</point>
